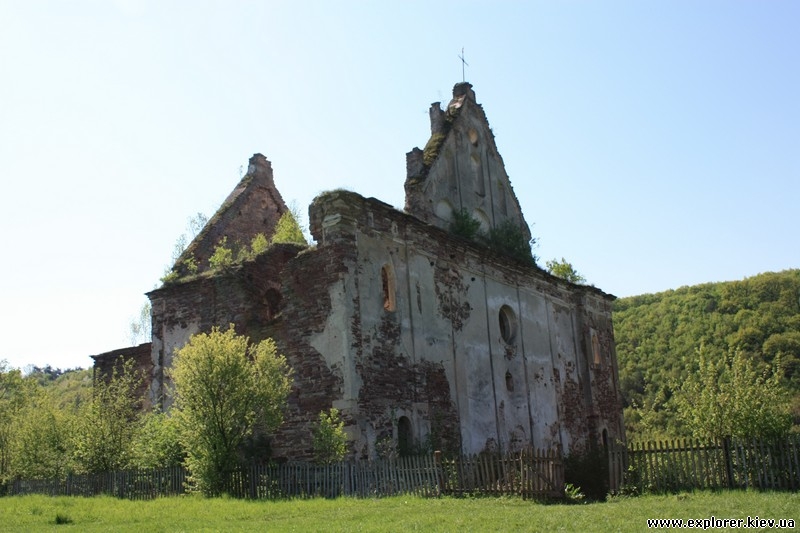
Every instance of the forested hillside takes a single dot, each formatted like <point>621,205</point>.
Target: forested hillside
<point>660,338</point>
<point>67,388</point>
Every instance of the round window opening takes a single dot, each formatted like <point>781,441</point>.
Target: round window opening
<point>508,324</point>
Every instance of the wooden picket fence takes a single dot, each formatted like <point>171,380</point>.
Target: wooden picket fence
<point>531,474</point>
<point>534,474</point>
<point>687,464</point>
<point>131,484</point>
<point>406,475</point>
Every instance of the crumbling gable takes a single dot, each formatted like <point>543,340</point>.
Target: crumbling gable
<point>253,207</point>
<point>461,169</point>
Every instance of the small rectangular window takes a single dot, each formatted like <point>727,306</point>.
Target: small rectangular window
<point>388,283</point>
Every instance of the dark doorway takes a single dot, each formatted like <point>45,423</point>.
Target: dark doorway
<point>405,437</point>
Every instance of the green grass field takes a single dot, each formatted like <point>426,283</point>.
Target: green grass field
<point>41,513</point>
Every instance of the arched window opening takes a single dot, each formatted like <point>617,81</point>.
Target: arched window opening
<point>273,300</point>
<point>405,437</point>
<point>508,324</point>
<point>596,359</point>
<point>388,284</point>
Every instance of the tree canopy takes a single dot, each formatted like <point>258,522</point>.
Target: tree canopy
<point>14,394</point>
<point>329,439</point>
<point>658,337</point>
<point>224,388</point>
<point>564,269</point>
<point>288,230</point>
<point>728,397</point>
<point>107,423</point>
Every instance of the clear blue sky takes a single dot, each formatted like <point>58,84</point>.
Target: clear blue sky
<point>652,144</point>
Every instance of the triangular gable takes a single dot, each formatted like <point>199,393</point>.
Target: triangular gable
<point>253,207</point>
<point>461,169</point>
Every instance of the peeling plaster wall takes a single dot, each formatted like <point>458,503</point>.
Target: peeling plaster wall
<point>541,388</point>
<point>314,285</point>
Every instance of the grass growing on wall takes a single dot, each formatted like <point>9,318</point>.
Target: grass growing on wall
<point>401,513</point>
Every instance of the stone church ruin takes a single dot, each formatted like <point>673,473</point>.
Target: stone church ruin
<point>422,337</point>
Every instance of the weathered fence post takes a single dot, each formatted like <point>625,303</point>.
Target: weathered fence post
<point>437,459</point>
<point>726,450</point>
<point>253,481</point>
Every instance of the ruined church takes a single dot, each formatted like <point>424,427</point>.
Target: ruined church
<point>423,334</point>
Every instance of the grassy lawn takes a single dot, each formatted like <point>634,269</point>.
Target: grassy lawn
<point>40,513</point>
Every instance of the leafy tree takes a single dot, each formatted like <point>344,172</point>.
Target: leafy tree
<point>191,264</point>
<point>222,256</point>
<point>43,445</point>
<point>38,420</point>
<point>786,346</point>
<point>329,438</point>
<point>107,424</point>
<point>196,224</point>
<point>44,375</point>
<point>507,238</point>
<point>170,277</point>
<point>177,250</point>
<point>288,230</point>
<point>464,224</point>
<point>259,244</point>
<point>15,391</point>
<point>157,442</point>
<point>222,390</point>
<point>70,390</point>
<point>729,397</point>
<point>564,269</point>
<point>141,327</point>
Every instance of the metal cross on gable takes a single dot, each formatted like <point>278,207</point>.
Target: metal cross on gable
<point>463,64</point>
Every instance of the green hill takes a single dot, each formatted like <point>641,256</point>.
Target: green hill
<point>67,388</point>
<point>658,336</point>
